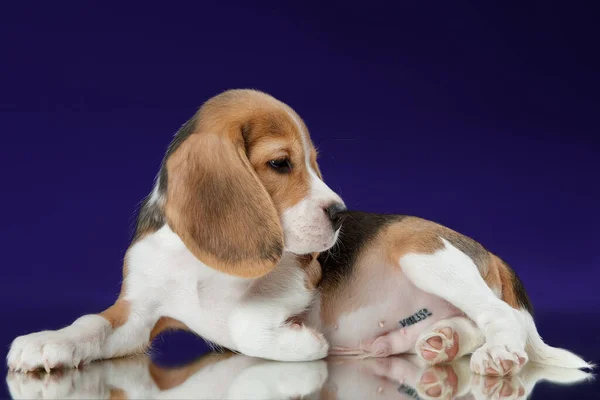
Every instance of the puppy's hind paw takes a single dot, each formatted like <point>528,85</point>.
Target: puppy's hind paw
<point>497,360</point>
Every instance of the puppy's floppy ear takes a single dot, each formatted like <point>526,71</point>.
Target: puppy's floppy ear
<point>219,207</point>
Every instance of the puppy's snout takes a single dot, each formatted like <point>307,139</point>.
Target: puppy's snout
<point>335,213</point>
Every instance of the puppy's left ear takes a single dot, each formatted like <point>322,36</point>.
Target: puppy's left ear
<point>219,207</point>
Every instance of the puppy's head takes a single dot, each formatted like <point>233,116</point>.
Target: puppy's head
<point>242,185</point>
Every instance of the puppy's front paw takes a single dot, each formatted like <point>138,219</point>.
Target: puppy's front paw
<point>68,347</point>
<point>48,349</point>
<point>288,342</point>
<point>498,360</point>
<point>438,346</point>
<point>306,344</point>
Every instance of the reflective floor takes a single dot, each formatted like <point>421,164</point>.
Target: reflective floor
<point>179,367</point>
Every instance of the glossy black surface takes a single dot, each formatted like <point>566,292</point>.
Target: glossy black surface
<point>185,373</point>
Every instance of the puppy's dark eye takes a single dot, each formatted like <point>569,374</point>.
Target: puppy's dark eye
<point>281,165</point>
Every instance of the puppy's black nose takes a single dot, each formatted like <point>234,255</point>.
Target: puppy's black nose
<point>335,212</point>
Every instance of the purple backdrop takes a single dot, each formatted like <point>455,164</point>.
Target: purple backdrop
<point>480,117</point>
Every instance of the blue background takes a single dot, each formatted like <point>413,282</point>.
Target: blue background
<point>482,117</point>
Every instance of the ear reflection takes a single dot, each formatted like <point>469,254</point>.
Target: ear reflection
<point>229,376</point>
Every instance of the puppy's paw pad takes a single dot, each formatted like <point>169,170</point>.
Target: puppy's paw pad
<point>438,346</point>
<point>497,360</point>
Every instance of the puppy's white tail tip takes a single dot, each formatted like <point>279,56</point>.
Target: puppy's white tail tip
<point>541,353</point>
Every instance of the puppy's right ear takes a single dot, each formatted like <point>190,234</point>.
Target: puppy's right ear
<point>219,207</point>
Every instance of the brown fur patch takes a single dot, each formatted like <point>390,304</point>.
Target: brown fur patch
<point>294,186</point>
<point>492,277</point>
<point>511,286</point>
<point>117,394</point>
<point>416,235</point>
<point>117,314</point>
<point>327,393</point>
<point>165,324</point>
<point>312,268</point>
<point>168,378</point>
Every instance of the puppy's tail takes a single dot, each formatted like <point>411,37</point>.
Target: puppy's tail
<point>515,295</point>
<point>541,353</point>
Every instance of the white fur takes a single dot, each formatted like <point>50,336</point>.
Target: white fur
<point>256,324</point>
<point>156,197</point>
<point>306,225</point>
<point>165,279</point>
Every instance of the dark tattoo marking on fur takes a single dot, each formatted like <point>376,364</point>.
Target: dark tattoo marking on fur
<point>416,317</point>
<point>409,391</point>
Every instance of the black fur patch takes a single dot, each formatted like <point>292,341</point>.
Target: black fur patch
<point>183,133</point>
<point>475,251</point>
<point>519,289</point>
<point>150,216</point>
<point>358,229</point>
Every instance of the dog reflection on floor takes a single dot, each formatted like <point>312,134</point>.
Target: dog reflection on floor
<point>232,376</point>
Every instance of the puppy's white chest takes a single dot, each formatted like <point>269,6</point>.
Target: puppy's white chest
<point>206,302</point>
<point>184,288</point>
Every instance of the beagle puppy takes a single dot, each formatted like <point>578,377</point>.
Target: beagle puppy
<point>238,194</point>
<point>238,242</point>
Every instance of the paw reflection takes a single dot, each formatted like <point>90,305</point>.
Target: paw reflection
<point>439,382</point>
<point>229,376</point>
<point>487,387</point>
